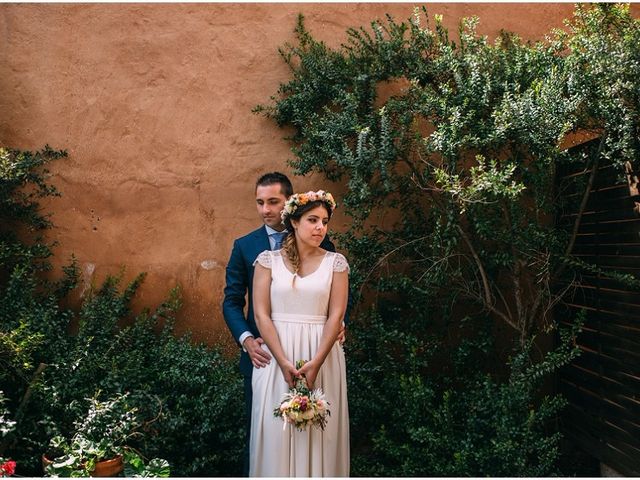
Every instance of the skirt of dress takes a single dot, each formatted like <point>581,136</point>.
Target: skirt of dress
<point>278,449</point>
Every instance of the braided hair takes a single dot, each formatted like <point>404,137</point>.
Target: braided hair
<point>289,244</point>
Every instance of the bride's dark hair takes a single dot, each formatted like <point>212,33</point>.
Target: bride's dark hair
<point>289,244</point>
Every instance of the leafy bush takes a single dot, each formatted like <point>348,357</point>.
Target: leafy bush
<point>32,325</point>
<point>186,394</point>
<point>421,406</point>
<point>6,424</point>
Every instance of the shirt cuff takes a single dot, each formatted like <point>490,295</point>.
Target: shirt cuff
<point>243,337</point>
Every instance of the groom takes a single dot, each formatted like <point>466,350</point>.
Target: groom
<point>272,191</point>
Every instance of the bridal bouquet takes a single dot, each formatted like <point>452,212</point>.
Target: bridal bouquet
<point>302,407</point>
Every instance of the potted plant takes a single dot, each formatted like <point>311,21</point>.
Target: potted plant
<point>99,445</point>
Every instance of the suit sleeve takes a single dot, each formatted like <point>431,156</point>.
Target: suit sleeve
<point>237,279</point>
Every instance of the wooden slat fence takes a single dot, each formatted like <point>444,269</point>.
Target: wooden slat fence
<point>603,384</point>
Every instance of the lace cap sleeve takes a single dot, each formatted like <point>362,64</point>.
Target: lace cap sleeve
<point>340,263</point>
<point>264,259</point>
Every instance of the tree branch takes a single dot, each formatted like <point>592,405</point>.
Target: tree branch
<point>583,203</point>
<point>517,268</point>
<point>488,299</point>
<point>490,308</point>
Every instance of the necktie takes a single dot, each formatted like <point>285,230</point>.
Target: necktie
<point>278,237</point>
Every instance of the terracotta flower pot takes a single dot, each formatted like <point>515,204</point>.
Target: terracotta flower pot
<point>103,468</point>
<point>45,463</point>
<point>108,468</point>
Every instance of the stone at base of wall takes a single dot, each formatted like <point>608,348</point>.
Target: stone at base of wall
<point>607,471</point>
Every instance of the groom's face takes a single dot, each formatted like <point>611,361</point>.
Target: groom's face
<point>270,202</point>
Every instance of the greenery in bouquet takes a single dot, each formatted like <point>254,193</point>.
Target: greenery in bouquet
<point>302,407</point>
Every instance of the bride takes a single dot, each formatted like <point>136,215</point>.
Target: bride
<point>300,298</point>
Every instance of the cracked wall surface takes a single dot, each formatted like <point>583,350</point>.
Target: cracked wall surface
<point>153,103</point>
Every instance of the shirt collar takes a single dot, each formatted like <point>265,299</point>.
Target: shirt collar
<point>271,231</point>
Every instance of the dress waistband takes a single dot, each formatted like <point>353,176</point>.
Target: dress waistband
<point>298,318</point>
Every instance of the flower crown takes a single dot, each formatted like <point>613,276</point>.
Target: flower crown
<point>299,199</point>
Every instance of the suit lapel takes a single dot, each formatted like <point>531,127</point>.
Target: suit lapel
<point>260,242</point>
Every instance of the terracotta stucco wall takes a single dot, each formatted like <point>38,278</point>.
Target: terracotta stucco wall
<point>153,103</point>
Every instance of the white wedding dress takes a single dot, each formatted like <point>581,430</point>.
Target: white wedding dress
<point>299,313</point>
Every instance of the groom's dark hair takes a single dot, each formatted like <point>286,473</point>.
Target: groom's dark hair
<point>276,177</point>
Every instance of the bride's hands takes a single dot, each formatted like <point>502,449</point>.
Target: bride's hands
<point>310,371</point>
<point>289,373</point>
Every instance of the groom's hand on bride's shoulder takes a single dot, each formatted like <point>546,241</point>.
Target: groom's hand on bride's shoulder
<point>259,357</point>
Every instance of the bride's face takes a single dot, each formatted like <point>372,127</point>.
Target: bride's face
<point>312,226</point>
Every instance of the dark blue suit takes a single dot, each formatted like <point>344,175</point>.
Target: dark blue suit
<point>239,279</point>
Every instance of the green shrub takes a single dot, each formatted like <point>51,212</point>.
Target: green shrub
<point>420,406</point>
<point>6,424</point>
<point>32,325</point>
<point>186,393</point>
